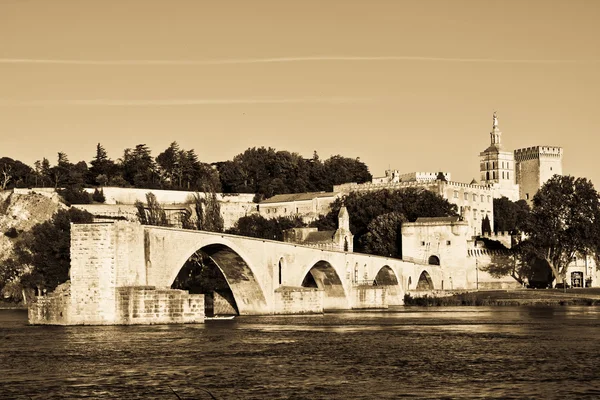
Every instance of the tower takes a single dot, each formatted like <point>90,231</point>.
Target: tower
<point>534,166</point>
<point>497,167</point>
<point>343,237</point>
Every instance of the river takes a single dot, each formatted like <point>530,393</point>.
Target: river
<point>445,352</point>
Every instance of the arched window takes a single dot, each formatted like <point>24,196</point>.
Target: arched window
<point>487,176</point>
<point>434,260</point>
<point>346,243</point>
<point>280,271</point>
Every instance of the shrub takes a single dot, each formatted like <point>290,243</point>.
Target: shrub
<point>98,196</point>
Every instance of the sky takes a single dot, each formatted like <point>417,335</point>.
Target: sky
<point>408,85</point>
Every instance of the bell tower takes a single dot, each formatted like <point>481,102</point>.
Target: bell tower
<point>497,167</point>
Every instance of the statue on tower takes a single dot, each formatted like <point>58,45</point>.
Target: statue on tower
<point>495,121</point>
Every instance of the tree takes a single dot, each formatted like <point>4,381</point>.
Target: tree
<point>364,207</point>
<point>260,227</point>
<point>510,216</point>
<point>102,168</point>
<point>169,165</point>
<point>98,196</point>
<point>485,225</point>
<point>208,212</point>
<point>384,236</point>
<point>152,213</point>
<point>519,262</point>
<point>343,170</point>
<point>5,176</point>
<point>563,222</point>
<point>139,168</point>
<point>43,254</point>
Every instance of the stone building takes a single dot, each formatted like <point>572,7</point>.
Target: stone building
<point>340,239</point>
<point>474,202</point>
<point>534,166</point>
<point>307,205</point>
<point>394,176</point>
<point>519,174</point>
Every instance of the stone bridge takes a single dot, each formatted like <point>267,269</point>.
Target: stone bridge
<point>116,266</point>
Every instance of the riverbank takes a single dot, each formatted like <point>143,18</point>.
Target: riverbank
<point>520,297</point>
<point>5,305</point>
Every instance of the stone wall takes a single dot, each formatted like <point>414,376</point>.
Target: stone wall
<point>298,300</point>
<point>148,305</point>
<point>364,297</point>
<point>535,165</point>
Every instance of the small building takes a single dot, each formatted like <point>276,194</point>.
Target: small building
<point>340,239</point>
<point>309,206</point>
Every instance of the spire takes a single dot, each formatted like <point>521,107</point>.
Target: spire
<point>495,134</point>
<point>343,219</point>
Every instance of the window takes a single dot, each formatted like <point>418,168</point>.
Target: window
<point>466,196</point>
<point>507,177</point>
<point>526,196</point>
<point>502,174</point>
<point>448,243</point>
<point>474,197</point>
<point>422,243</point>
<point>489,198</point>
<point>493,174</point>
<point>456,194</point>
<point>285,210</point>
<point>474,214</point>
<point>482,198</point>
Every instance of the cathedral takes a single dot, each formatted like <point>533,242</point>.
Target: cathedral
<point>517,174</point>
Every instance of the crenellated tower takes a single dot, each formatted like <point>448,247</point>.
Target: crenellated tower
<point>534,166</point>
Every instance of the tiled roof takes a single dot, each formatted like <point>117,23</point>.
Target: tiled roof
<point>318,237</point>
<point>283,198</point>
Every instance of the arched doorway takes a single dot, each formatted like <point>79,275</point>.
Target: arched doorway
<point>323,276</point>
<point>229,285</point>
<point>433,260</point>
<point>425,282</point>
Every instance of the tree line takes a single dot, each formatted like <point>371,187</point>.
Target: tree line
<point>263,171</point>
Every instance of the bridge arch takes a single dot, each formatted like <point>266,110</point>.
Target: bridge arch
<point>425,282</point>
<point>247,293</point>
<point>323,275</point>
<point>386,277</point>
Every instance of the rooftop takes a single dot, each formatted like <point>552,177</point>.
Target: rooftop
<point>283,198</point>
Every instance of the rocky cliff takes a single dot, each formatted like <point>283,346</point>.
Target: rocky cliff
<point>19,212</point>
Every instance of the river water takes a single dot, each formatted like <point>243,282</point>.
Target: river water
<point>445,352</point>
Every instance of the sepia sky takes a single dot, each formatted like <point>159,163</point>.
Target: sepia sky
<point>410,85</point>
